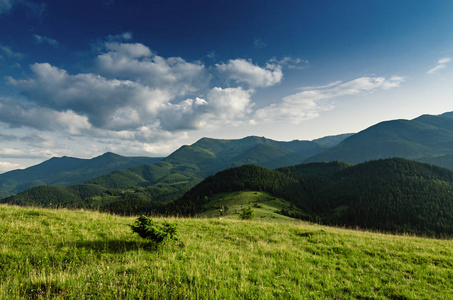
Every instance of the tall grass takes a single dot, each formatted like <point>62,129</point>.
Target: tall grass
<point>66,254</point>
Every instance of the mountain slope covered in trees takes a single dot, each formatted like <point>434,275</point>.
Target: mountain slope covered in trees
<point>394,195</point>
<point>422,138</point>
<point>139,188</point>
<point>65,171</point>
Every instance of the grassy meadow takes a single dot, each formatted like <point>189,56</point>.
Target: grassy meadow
<point>64,254</point>
<point>230,205</point>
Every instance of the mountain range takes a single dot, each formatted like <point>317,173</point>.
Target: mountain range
<point>426,138</point>
<point>66,171</point>
<point>154,185</point>
<point>140,187</point>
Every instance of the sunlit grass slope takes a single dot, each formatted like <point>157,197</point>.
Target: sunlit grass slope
<point>65,254</point>
<point>230,205</point>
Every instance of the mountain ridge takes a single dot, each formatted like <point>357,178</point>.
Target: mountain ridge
<point>422,137</point>
<point>65,171</point>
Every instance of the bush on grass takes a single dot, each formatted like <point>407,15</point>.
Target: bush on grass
<point>247,213</point>
<point>148,229</point>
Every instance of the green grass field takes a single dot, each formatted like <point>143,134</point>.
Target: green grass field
<point>65,254</point>
<point>230,205</point>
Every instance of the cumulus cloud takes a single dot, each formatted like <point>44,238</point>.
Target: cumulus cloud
<point>137,62</point>
<point>134,95</point>
<point>244,71</point>
<point>310,102</point>
<point>441,64</point>
<point>226,106</point>
<point>131,93</point>
<point>229,104</point>
<point>17,115</point>
<point>102,100</point>
<point>45,40</point>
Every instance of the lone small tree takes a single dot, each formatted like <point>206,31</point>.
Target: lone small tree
<point>146,228</point>
<point>247,213</point>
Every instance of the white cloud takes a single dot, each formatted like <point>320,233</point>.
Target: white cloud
<point>321,87</point>
<point>444,60</point>
<point>10,53</point>
<point>243,71</point>
<point>222,106</point>
<point>17,115</point>
<point>138,63</point>
<point>289,62</point>
<point>45,40</point>
<point>125,36</point>
<point>7,166</point>
<point>33,153</point>
<point>310,102</point>
<point>126,109</point>
<point>102,100</point>
<point>441,64</point>
<point>228,104</point>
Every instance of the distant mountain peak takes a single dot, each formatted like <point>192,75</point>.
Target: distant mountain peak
<point>110,154</point>
<point>447,114</point>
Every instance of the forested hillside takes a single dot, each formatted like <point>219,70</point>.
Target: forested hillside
<point>394,195</point>
<point>66,171</point>
<point>424,138</point>
<point>143,187</point>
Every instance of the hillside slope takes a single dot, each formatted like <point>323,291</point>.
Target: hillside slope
<point>138,188</point>
<point>394,195</point>
<point>209,156</point>
<point>421,138</point>
<point>65,171</point>
<point>67,254</point>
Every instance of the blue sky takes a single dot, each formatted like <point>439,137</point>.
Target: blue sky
<point>80,78</point>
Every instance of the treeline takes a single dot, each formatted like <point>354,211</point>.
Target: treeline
<point>132,201</point>
<point>248,177</point>
<point>56,196</point>
<point>392,195</point>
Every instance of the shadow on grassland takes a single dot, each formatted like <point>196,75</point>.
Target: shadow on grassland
<point>116,246</point>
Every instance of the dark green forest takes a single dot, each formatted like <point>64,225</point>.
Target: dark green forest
<point>390,195</point>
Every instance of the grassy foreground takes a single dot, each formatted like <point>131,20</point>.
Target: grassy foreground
<point>87,255</point>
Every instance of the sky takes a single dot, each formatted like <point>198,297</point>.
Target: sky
<point>142,78</point>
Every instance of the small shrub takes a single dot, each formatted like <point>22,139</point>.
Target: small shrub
<point>247,213</point>
<point>148,229</point>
